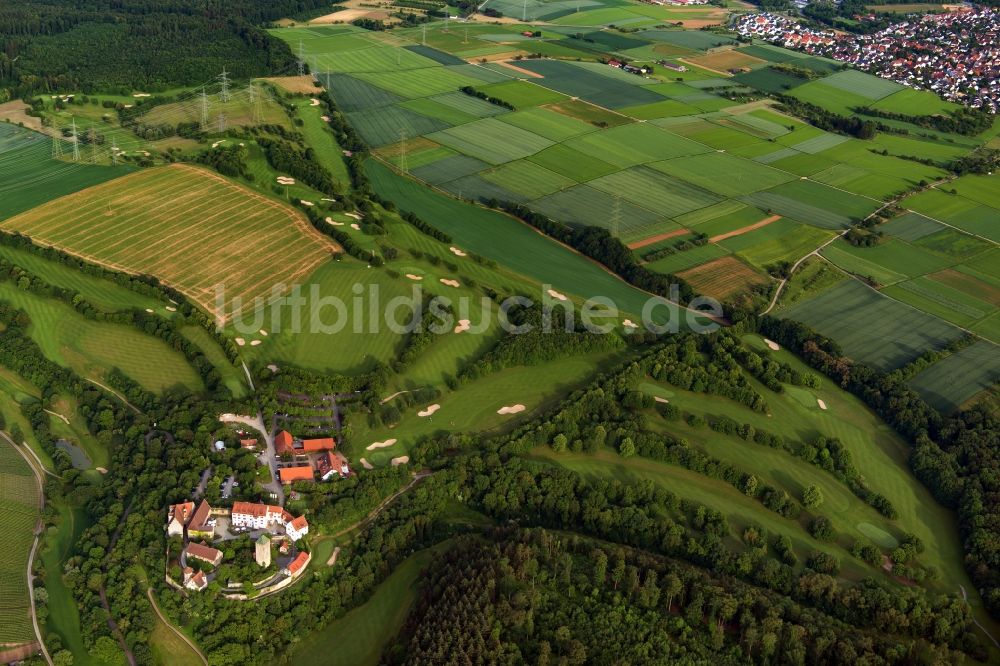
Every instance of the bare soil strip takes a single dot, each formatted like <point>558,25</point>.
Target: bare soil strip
<point>743,230</point>
<point>635,245</point>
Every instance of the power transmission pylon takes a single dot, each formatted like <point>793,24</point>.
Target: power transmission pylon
<point>114,152</point>
<point>222,123</point>
<point>402,150</point>
<point>423,34</point>
<point>300,62</point>
<point>258,114</point>
<point>76,143</point>
<point>57,148</point>
<point>204,110</point>
<point>224,85</point>
<point>92,138</point>
<point>524,11</point>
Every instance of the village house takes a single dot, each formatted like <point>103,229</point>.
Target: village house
<point>178,516</point>
<point>195,580</point>
<point>197,523</point>
<point>297,565</point>
<point>203,552</point>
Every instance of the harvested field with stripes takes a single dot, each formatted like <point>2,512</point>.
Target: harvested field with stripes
<point>722,278</point>
<point>186,225</point>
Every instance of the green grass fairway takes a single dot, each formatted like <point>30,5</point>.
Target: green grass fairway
<point>19,504</point>
<point>102,293</point>
<point>473,406</point>
<point>358,637</point>
<point>341,350</point>
<point>872,328</point>
<point>92,348</point>
<point>30,177</point>
<point>723,173</point>
<point>951,382</point>
<point>492,141</point>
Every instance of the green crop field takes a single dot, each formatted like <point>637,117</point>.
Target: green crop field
<point>914,102</point>
<point>491,140</point>
<point>522,94</point>
<point>949,383</point>
<point>588,205</point>
<point>572,163</point>
<point>859,83</point>
<point>644,186</point>
<point>549,124</point>
<point>30,177</point>
<point>870,327</point>
<point>941,300</point>
<point>629,145</point>
<point>177,223</point>
<point>723,174</point>
<point>19,503</point>
<point>529,179</point>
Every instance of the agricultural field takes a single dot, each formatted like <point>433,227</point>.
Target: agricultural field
<point>29,176</point>
<point>19,496</point>
<point>177,223</point>
<point>661,159</point>
<point>870,327</point>
<point>951,382</point>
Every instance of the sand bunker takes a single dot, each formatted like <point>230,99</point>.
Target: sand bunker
<point>356,216</point>
<point>254,343</point>
<point>149,310</point>
<point>822,405</point>
<point>171,308</point>
<point>240,341</point>
<point>628,323</point>
<point>356,226</point>
<point>334,222</point>
<point>772,344</point>
<point>430,410</point>
<point>306,203</point>
<point>285,180</point>
<point>455,251</point>
<point>101,470</point>
<point>463,326</point>
<point>556,295</point>
<point>415,277</point>
<point>218,143</point>
<point>272,367</point>
<point>512,409</point>
<point>401,460</point>
<point>659,399</point>
<point>451,283</point>
<point>263,332</point>
<point>367,465</point>
<point>141,95</point>
<point>314,102</point>
<point>325,119</point>
<point>380,445</point>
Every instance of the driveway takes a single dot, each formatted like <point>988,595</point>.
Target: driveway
<point>257,423</point>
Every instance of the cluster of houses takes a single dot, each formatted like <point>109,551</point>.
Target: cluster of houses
<point>956,54</point>
<point>641,70</point>
<point>303,459</point>
<point>201,523</point>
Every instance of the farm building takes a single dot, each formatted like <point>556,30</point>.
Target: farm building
<point>291,474</point>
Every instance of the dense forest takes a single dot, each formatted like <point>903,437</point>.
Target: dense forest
<point>129,45</point>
